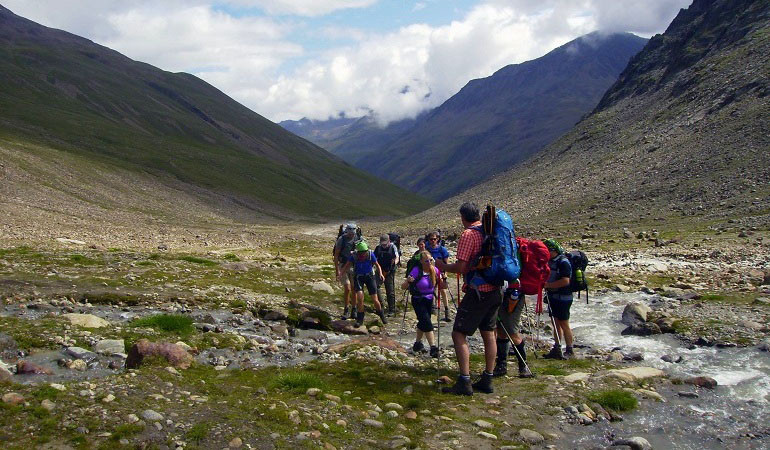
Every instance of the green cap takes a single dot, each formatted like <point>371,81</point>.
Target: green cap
<point>362,247</point>
<point>554,245</point>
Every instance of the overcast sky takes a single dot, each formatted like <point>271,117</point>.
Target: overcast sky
<point>288,59</point>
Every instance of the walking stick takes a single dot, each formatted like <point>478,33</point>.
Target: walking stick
<point>438,335</point>
<point>553,322</point>
<point>529,321</point>
<point>513,344</point>
<point>402,331</point>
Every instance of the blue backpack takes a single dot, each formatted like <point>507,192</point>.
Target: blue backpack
<point>498,260</point>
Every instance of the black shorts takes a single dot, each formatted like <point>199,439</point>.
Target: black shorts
<point>422,307</point>
<point>560,307</point>
<point>365,280</point>
<point>477,313</point>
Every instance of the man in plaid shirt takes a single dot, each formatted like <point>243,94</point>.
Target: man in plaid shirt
<point>478,309</point>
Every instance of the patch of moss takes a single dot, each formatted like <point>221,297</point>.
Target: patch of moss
<point>175,323</point>
<point>615,399</point>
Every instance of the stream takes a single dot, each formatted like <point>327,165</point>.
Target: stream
<point>734,415</point>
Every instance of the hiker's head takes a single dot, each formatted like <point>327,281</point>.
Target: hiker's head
<point>362,247</point>
<point>385,240</point>
<point>554,247</point>
<point>432,238</point>
<point>421,243</point>
<point>428,265</point>
<point>469,213</point>
<point>350,229</point>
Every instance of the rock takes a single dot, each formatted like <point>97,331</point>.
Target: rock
<point>28,368</point>
<point>750,325</point>
<point>483,424</point>
<point>408,389</point>
<point>151,416</point>
<point>110,346</point>
<point>411,415</point>
<point>374,329</point>
<point>615,355</point>
<point>395,406</point>
<point>78,364</point>
<point>367,341</point>
<point>313,392</point>
<point>276,313</point>
<point>373,423</point>
<point>635,312</point>
<point>486,435</point>
<point>13,398</point>
<point>48,405</point>
<point>641,329</point>
<point>108,399</point>
<point>5,375</point>
<point>322,286</point>
<point>80,353</point>
<point>666,324</point>
<point>531,437</point>
<point>86,320</point>
<point>8,346</point>
<point>651,394</point>
<point>174,354</point>
<point>764,345</point>
<point>346,327</point>
<point>636,443</point>
<point>687,394</point>
<point>636,373</point>
<point>635,356</point>
<point>235,443</point>
<point>70,241</point>
<point>332,398</point>
<point>576,377</point>
<point>392,414</point>
<point>704,382</point>
<point>621,288</point>
<point>762,301</point>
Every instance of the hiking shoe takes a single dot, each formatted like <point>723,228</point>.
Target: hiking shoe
<point>345,313</point>
<point>359,319</point>
<point>353,313</point>
<point>433,351</point>
<point>461,387</point>
<point>555,353</point>
<point>524,371</point>
<point>446,318</point>
<point>501,368</point>
<point>569,353</point>
<point>484,384</point>
<point>417,346</point>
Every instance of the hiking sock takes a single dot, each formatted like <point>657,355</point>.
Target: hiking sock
<point>501,362</point>
<point>381,313</point>
<point>359,319</point>
<point>521,355</point>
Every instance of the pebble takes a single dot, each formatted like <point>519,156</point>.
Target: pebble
<point>341,423</point>
<point>58,387</point>
<point>484,434</point>
<point>133,418</point>
<point>13,398</point>
<point>483,424</point>
<point>688,394</point>
<point>395,406</point>
<point>313,392</point>
<point>411,415</point>
<point>109,398</point>
<point>531,436</point>
<point>373,423</point>
<point>151,415</point>
<point>235,443</point>
<point>333,398</point>
<point>392,414</point>
<point>48,405</point>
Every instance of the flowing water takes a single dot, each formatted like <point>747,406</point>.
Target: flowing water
<point>734,415</point>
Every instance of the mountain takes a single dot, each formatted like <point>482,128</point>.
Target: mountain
<point>62,93</point>
<point>494,122</point>
<point>680,142</point>
<point>350,139</point>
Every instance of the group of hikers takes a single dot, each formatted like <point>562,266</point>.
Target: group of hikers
<point>490,304</point>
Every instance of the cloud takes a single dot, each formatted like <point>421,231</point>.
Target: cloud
<point>255,58</point>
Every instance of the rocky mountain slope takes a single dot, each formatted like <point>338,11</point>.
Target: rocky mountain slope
<point>497,121</point>
<point>65,100</point>
<point>680,141</point>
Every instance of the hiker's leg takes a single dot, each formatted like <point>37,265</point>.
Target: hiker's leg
<point>390,290</point>
<point>490,350</point>
<point>422,311</point>
<point>429,337</point>
<point>566,332</point>
<point>360,301</point>
<point>461,352</point>
<point>419,335</point>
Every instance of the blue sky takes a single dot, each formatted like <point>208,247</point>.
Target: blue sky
<point>288,59</point>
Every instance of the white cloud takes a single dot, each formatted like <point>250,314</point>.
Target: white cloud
<point>395,74</point>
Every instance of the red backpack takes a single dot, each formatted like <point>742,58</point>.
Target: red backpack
<point>534,256</point>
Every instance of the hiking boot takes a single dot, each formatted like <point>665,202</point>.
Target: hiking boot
<point>484,384</point>
<point>345,313</point>
<point>353,313</point>
<point>555,353</point>
<point>501,368</point>
<point>569,353</point>
<point>433,351</point>
<point>359,319</point>
<point>417,346</point>
<point>461,387</point>
<point>524,371</point>
<point>446,317</point>
<point>381,314</point>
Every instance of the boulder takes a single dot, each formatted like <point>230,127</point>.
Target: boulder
<point>13,398</point>
<point>704,382</point>
<point>636,373</point>
<point>28,368</point>
<point>576,377</point>
<point>764,345</point>
<point>641,329</point>
<point>276,313</point>
<point>80,353</point>
<point>531,437</point>
<point>174,354</point>
<point>636,443</point>
<point>347,327</point>
<point>110,346</point>
<point>666,324</point>
<point>86,320</point>
<point>322,286</point>
<point>5,375</point>
<point>635,312</point>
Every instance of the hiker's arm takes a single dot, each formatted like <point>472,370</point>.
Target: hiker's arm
<point>405,284</point>
<point>344,269</point>
<point>458,267</point>
<point>379,271</point>
<point>560,283</point>
<point>336,258</point>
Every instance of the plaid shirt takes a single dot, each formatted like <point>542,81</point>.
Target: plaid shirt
<point>468,247</point>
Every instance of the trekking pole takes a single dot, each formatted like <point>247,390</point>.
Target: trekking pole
<point>553,322</point>
<point>451,296</point>
<point>513,344</point>
<point>402,331</point>
<point>438,336</point>
<point>529,321</point>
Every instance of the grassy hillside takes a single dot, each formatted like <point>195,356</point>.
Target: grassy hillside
<point>680,142</point>
<point>66,93</point>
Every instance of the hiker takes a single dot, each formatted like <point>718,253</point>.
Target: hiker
<point>343,248</point>
<point>388,259</point>
<point>477,310</point>
<point>559,299</point>
<point>508,327</point>
<point>440,253</point>
<point>421,282</point>
<point>365,267</point>
<point>420,246</point>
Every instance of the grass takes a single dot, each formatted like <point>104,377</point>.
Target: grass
<point>198,432</point>
<point>298,382</point>
<point>615,399</point>
<point>173,323</point>
<point>197,260</point>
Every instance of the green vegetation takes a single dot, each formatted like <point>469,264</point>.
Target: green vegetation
<point>615,399</point>
<point>174,323</point>
<point>197,260</point>
<point>298,381</point>
<point>198,432</point>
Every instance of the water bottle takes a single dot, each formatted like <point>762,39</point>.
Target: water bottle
<point>579,277</point>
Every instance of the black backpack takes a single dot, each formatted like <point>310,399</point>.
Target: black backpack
<point>395,239</point>
<point>578,282</point>
<point>341,231</point>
